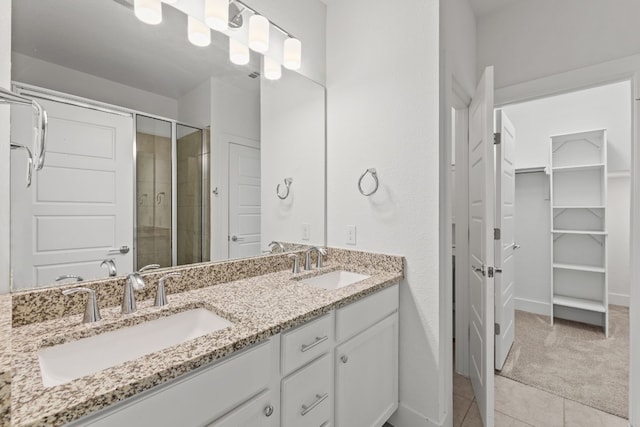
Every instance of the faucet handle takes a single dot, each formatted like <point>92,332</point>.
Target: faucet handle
<point>161,294</point>
<point>321,252</point>
<point>296,263</point>
<point>69,276</point>
<point>91,311</point>
<point>149,267</point>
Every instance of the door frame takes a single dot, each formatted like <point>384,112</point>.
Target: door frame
<point>624,69</point>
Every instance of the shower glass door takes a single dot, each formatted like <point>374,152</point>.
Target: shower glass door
<point>153,191</point>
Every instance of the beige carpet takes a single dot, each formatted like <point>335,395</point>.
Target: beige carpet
<point>574,360</point>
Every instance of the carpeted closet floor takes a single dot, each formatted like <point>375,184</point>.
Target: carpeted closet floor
<point>574,360</point>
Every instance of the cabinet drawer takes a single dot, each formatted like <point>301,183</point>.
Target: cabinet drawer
<point>307,342</point>
<point>198,398</point>
<point>357,317</point>
<point>307,395</point>
<point>261,411</point>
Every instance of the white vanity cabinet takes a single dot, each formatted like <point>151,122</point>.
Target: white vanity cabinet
<point>366,364</point>
<point>340,369</point>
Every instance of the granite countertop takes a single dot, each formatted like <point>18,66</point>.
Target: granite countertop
<point>259,307</point>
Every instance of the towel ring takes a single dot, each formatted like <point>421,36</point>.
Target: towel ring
<point>287,183</point>
<point>374,175</point>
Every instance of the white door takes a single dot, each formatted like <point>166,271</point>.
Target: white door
<point>505,245</point>
<point>79,209</point>
<point>481,246</point>
<point>244,201</point>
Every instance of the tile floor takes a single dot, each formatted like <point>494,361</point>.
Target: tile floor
<point>519,405</point>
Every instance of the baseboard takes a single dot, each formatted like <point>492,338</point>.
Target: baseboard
<point>531,306</point>
<point>407,417</point>
<point>619,299</point>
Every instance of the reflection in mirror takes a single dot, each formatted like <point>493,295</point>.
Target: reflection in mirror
<point>127,179</point>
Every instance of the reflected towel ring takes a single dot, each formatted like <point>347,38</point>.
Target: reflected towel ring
<point>287,183</point>
<point>374,175</point>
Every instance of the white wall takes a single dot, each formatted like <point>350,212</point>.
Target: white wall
<point>235,117</point>
<point>5,82</point>
<point>458,41</point>
<point>194,107</point>
<point>293,145</point>
<point>382,112</point>
<point>606,107</point>
<point>532,39</point>
<point>306,20</point>
<point>52,76</point>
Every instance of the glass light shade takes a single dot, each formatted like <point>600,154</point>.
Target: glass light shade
<point>199,34</point>
<point>259,33</point>
<point>292,58</point>
<point>148,11</point>
<point>216,14</point>
<point>272,70</point>
<point>238,52</point>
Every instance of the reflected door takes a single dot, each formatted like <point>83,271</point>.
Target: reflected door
<point>244,201</point>
<point>79,210</point>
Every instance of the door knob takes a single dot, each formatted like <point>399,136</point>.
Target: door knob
<point>516,246</point>
<point>235,238</point>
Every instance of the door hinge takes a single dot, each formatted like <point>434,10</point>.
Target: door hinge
<point>497,138</point>
<point>496,328</point>
<point>496,234</point>
<point>490,272</point>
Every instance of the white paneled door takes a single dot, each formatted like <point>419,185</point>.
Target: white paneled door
<point>481,246</point>
<point>504,244</point>
<point>244,201</point>
<point>79,210</point>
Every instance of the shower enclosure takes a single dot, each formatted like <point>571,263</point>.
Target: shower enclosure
<point>172,193</point>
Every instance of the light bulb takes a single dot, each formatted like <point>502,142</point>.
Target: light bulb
<point>238,52</point>
<point>148,11</point>
<point>259,33</point>
<point>198,33</point>
<point>292,57</point>
<point>272,70</point>
<point>216,14</point>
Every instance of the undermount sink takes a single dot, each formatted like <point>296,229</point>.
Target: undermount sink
<point>334,279</point>
<point>65,362</point>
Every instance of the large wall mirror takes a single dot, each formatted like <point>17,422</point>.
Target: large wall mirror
<point>159,151</point>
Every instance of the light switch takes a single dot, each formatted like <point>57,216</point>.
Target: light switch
<point>351,234</point>
<point>305,231</point>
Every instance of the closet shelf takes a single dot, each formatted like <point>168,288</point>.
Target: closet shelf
<point>592,232</point>
<point>578,207</point>
<point>583,304</point>
<point>579,267</point>
<point>578,167</point>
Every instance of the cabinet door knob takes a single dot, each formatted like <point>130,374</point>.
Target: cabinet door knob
<point>344,358</point>
<point>268,410</point>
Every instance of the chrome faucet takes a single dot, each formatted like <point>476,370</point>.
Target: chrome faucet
<point>278,244</point>
<point>111,267</point>
<point>161,294</point>
<point>134,282</point>
<point>69,276</point>
<point>91,311</point>
<point>307,261</point>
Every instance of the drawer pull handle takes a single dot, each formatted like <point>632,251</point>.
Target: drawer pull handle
<point>318,341</point>
<point>324,424</point>
<point>268,410</point>
<point>319,399</point>
<point>344,358</point>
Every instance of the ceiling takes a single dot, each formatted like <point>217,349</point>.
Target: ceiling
<point>483,7</point>
<point>105,39</point>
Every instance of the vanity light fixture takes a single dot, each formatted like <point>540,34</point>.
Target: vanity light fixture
<point>216,14</point>
<point>292,56</point>
<point>259,33</point>
<point>148,11</point>
<point>272,70</point>
<point>198,33</point>
<point>238,52</point>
